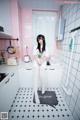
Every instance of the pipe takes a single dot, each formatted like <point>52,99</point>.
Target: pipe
<point>68,91</point>
<point>70,62</point>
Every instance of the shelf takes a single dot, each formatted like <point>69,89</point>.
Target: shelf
<point>4,36</point>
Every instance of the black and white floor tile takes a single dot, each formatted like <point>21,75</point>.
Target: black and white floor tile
<point>23,107</point>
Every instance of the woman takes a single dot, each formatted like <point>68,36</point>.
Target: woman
<point>40,58</point>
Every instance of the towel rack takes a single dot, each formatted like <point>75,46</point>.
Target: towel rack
<point>9,38</point>
<point>75,29</point>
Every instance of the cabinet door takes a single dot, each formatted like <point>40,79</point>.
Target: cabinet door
<point>5,96</point>
<point>54,77</point>
<point>25,77</point>
<point>5,16</point>
<point>7,93</point>
<point>14,85</point>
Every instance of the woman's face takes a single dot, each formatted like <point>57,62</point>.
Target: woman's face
<point>41,41</point>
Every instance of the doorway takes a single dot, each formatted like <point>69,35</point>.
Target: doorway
<point>44,22</point>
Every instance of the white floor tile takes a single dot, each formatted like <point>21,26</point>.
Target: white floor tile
<point>23,107</point>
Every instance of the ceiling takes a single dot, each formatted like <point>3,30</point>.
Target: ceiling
<point>46,4</point>
<point>40,4</point>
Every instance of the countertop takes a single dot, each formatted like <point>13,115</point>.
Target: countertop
<point>11,68</point>
<point>6,68</point>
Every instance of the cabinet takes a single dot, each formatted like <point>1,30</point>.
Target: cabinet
<point>52,77</point>
<point>9,17</point>
<point>8,92</point>
<point>5,16</point>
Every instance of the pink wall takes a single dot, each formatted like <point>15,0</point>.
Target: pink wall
<point>26,16</point>
<point>14,23</point>
<point>21,27</point>
<point>14,18</point>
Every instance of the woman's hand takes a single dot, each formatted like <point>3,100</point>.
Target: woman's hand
<point>41,60</point>
<point>45,58</point>
<point>38,60</point>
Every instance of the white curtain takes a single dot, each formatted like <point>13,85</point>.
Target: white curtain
<point>45,23</point>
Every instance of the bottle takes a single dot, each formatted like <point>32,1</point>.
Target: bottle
<point>2,57</point>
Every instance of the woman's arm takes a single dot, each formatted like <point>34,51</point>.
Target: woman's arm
<point>37,59</point>
<point>44,58</point>
<point>40,58</point>
<point>35,56</point>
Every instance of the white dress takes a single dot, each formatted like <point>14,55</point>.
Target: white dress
<point>37,53</point>
<point>39,73</point>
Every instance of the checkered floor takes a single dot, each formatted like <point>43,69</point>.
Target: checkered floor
<point>23,107</point>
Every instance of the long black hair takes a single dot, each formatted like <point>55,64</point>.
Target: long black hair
<point>38,44</point>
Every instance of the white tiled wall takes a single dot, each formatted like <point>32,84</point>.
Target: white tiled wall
<point>72,15</point>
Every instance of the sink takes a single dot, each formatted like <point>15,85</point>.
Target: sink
<point>2,76</point>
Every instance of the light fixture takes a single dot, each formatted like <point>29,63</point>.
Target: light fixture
<point>69,1</point>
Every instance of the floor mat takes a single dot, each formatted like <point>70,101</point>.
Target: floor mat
<point>49,98</point>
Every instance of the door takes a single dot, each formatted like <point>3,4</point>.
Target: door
<point>45,23</point>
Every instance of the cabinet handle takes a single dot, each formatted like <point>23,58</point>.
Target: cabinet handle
<point>7,81</point>
<point>12,75</point>
<point>45,68</point>
<point>49,69</point>
<point>29,69</point>
<point>52,69</point>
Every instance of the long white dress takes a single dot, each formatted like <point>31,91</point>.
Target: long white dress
<point>39,74</point>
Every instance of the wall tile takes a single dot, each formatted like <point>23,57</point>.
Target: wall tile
<point>78,75</point>
<point>75,115</point>
<point>78,101</point>
<point>72,104</point>
<point>72,16</point>
<point>75,93</point>
<point>77,111</point>
<point>77,83</point>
